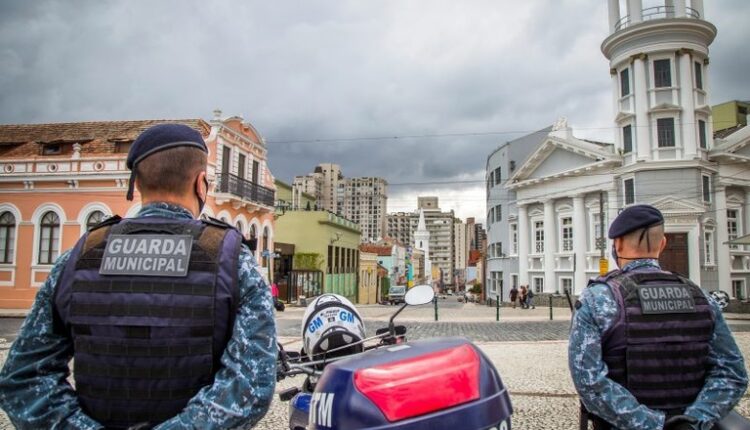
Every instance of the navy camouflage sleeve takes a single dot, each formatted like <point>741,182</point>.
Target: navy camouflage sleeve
<point>726,380</point>
<point>244,386</point>
<point>34,390</point>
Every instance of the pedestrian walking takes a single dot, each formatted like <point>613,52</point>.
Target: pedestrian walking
<point>530,299</point>
<point>648,349</point>
<point>514,296</point>
<point>522,296</point>
<point>165,315</point>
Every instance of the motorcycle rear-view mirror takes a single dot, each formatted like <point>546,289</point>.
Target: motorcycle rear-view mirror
<point>419,295</point>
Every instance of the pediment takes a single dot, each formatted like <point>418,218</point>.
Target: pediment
<point>736,143</point>
<point>562,157</point>
<point>672,206</point>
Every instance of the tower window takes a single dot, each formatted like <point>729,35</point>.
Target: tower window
<point>706,188</point>
<point>702,134</point>
<point>625,82</point>
<point>665,132</point>
<point>629,185</point>
<point>627,139</point>
<point>662,73</point>
<point>698,75</point>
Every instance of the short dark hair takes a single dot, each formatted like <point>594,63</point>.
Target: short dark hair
<point>170,171</point>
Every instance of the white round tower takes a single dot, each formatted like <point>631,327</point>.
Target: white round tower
<point>422,241</point>
<point>659,66</point>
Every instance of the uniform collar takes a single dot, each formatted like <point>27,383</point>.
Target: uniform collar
<point>165,210</point>
<point>640,264</point>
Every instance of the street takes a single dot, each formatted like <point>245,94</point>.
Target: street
<point>529,351</point>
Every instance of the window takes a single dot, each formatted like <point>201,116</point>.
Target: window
<point>265,245</point>
<point>491,216</point>
<point>566,233</point>
<point>52,149</point>
<point>625,82</point>
<point>698,75</point>
<point>702,134</point>
<point>514,239</point>
<point>538,285</point>
<point>706,188</point>
<point>596,235</point>
<point>498,176</point>
<point>738,289</point>
<point>49,238</point>
<point>567,285</point>
<point>7,237</point>
<point>539,236</point>
<point>662,73</point>
<point>94,219</point>
<point>514,281</point>
<point>733,225</point>
<point>629,191</point>
<point>665,132</point>
<point>708,247</point>
<point>491,181</point>
<point>498,213</point>
<point>627,139</point>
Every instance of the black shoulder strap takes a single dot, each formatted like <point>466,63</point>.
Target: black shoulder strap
<point>216,222</point>
<point>114,219</point>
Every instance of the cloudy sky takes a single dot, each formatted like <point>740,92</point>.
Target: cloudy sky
<point>418,92</point>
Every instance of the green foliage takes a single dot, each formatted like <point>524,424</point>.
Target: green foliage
<point>477,288</point>
<point>385,286</point>
<point>308,261</point>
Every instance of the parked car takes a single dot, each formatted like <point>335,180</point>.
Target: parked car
<point>396,294</point>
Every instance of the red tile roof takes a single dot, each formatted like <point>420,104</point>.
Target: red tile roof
<point>97,137</point>
<point>380,250</point>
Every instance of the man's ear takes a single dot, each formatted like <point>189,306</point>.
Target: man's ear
<point>201,185</point>
<point>663,244</point>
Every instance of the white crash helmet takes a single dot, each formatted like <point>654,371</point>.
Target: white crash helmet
<point>331,322</point>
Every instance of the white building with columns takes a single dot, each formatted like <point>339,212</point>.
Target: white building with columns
<point>663,154</point>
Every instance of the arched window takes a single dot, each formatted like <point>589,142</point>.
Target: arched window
<point>7,237</point>
<point>94,218</point>
<point>239,227</point>
<point>253,232</point>
<point>265,245</point>
<point>49,238</point>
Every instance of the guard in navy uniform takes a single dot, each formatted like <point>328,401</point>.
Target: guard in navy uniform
<point>648,348</point>
<point>166,316</point>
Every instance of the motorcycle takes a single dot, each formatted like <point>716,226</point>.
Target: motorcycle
<point>435,384</point>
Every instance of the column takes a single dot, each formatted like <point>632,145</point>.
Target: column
<point>642,124</point>
<point>550,246</point>
<point>523,245</point>
<point>694,253</point>
<point>612,210</point>
<point>579,243</point>
<point>635,11</point>
<point>722,236</point>
<point>616,108</point>
<point>687,100</point>
<point>697,6</point>
<point>614,15</point>
<point>746,216</point>
<point>670,8</point>
<point>680,9</point>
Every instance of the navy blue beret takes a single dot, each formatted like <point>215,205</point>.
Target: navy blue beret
<point>159,138</point>
<point>635,218</point>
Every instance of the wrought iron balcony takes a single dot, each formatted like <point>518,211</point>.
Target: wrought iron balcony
<point>657,12</point>
<point>233,184</point>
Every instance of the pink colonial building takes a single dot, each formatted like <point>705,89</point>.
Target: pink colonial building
<point>56,180</point>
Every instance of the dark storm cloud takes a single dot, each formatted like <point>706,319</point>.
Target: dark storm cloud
<point>301,71</point>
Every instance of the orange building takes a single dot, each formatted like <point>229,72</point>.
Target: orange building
<point>56,180</point>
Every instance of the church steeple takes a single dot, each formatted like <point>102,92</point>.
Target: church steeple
<point>422,241</point>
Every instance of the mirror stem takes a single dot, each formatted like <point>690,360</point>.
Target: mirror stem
<point>391,327</point>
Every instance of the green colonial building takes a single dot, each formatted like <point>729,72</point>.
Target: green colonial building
<point>317,251</point>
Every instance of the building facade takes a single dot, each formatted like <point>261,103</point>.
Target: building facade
<point>664,154</point>
<point>326,253</point>
<point>441,238</point>
<point>57,180</point>
<point>365,202</point>
<point>399,227</point>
